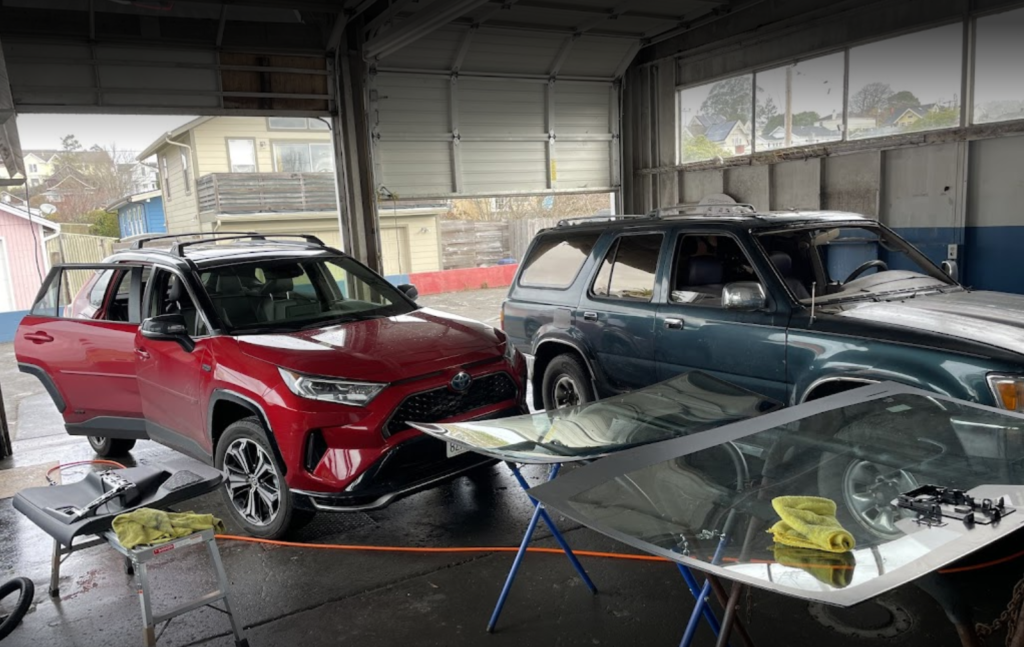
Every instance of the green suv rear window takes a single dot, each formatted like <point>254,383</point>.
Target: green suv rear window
<point>555,261</point>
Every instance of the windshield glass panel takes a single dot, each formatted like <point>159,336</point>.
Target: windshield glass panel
<point>719,492</point>
<point>299,293</point>
<point>849,262</point>
<point>684,405</point>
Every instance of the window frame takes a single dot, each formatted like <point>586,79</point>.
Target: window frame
<point>255,155</point>
<point>308,143</point>
<point>305,125</point>
<point>56,273</point>
<point>670,270</point>
<point>165,177</point>
<point>655,288</point>
<point>186,169</point>
<point>144,302</point>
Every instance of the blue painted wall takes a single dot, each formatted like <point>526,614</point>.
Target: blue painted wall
<point>9,325</point>
<point>146,217</point>
<point>987,257</point>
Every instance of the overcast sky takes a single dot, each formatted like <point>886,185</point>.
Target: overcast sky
<point>127,132</point>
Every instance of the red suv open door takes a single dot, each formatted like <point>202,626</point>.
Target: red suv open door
<point>79,339</point>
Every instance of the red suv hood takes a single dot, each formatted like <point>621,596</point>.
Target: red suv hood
<point>379,350</point>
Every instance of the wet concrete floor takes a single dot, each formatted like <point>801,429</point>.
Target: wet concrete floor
<point>313,597</point>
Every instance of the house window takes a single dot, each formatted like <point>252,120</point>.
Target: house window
<point>185,171</point>
<point>165,178</point>
<point>295,123</point>
<point>303,157</point>
<point>242,155</point>
<point>33,168</point>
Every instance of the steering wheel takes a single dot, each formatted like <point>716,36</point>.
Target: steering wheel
<point>864,267</point>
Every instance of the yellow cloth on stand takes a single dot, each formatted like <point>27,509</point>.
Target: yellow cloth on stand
<point>147,526</point>
<point>834,569</point>
<point>810,522</point>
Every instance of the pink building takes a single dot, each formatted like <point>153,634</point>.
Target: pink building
<point>23,262</point>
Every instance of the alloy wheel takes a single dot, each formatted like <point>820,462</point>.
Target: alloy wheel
<point>252,482</point>
<point>869,488</point>
<point>565,392</point>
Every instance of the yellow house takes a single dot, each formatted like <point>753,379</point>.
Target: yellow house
<point>274,175</point>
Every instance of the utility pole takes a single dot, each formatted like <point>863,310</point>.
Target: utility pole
<point>789,105</point>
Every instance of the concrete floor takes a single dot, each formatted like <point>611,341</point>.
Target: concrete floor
<point>314,597</point>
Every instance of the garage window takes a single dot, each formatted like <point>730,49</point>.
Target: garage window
<point>906,84</point>
<point>998,84</point>
<point>715,119</point>
<point>815,91</point>
<point>303,157</point>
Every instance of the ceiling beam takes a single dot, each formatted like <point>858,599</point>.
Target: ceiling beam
<point>538,27</point>
<point>590,9</point>
<point>385,17</point>
<point>419,25</point>
<point>631,53</point>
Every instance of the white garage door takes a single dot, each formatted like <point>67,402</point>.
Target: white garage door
<point>493,130</point>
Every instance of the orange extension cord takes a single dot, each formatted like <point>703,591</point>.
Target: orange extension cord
<point>511,549</point>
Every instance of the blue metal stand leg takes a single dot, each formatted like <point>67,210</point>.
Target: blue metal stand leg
<point>515,569</point>
<point>702,607</point>
<point>538,514</point>
<point>698,610</point>
<point>695,589</point>
<point>554,529</point>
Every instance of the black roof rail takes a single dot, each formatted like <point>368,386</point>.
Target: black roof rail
<point>584,220</point>
<point>178,248</point>
<point>141,242</point>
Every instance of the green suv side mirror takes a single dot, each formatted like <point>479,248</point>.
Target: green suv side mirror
<point>744,295</point>
<point>171,327</point>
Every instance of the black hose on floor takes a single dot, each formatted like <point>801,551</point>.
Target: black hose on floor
<point>28,591</point>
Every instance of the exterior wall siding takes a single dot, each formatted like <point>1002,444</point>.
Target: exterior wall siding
<point>26,261</point>
<point>211,142</point>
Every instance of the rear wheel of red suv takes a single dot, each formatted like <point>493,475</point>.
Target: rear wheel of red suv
<point>111,447</point>
<point>255,490</point>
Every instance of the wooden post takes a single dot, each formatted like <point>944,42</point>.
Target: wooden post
<point>5,435</point>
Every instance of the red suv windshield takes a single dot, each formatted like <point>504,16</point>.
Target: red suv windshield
<point>299,293</point>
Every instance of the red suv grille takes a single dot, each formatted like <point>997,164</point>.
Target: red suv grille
<point>443,403</point>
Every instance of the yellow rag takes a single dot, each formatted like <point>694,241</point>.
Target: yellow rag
<point>810,522</point>
<point>147,526</point>
<point>834,569</point>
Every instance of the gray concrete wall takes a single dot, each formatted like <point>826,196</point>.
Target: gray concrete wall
<point>748,184</point>
<point>919,186</point>
<point>795,185</point>
<point>852,183</point>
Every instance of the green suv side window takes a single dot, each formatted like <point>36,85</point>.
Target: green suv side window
<point>629,268</point>
<point>704,264</point>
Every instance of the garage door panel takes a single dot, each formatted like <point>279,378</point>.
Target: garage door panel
<point>413,105</point>
<point>411,169</point>
<point>513,52</point>
<point>435,51</point>
<point>582,108</point>
<point>583,165</point>
<point>504,167</point>
<point>487,108</point>
<point>594,56</point>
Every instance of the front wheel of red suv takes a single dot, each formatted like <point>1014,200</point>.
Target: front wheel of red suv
<point>254,487</point>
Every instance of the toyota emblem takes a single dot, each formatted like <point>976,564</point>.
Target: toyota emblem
<point>460,383</point>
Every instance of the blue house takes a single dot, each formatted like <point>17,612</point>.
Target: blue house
<point>142,213</point>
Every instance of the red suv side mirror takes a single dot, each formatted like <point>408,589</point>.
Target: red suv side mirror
<point>170,327</point>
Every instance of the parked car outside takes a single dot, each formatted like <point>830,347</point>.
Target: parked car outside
<point>795,305</point>
<point>288,364</point>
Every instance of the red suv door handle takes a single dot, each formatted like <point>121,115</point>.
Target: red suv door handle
<point>39,337</point>
<point>142,353</point>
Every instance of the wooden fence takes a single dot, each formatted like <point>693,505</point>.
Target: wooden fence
<point>78,248</point>
<point>241,193</point>
<point>482,243</point>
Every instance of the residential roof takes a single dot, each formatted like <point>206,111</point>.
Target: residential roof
<point>128,199</point>
<point>31,217</point>
<point>709,120</point>
<point>804,132</point>
<point>920,111</point>
<point>720,131</point>
<point>92,157</point>
<point>161,141</point>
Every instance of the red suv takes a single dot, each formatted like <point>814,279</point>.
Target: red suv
<point>286,363</point>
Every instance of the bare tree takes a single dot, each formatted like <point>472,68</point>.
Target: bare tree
<point>871,100</point>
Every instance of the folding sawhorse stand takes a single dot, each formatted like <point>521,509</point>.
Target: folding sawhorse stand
<point>136,560</point>
<point>538,513</point>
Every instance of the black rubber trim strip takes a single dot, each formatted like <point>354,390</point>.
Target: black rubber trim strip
<point>48,384</point>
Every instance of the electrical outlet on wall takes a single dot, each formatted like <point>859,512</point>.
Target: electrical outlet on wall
<point>951,252</point>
